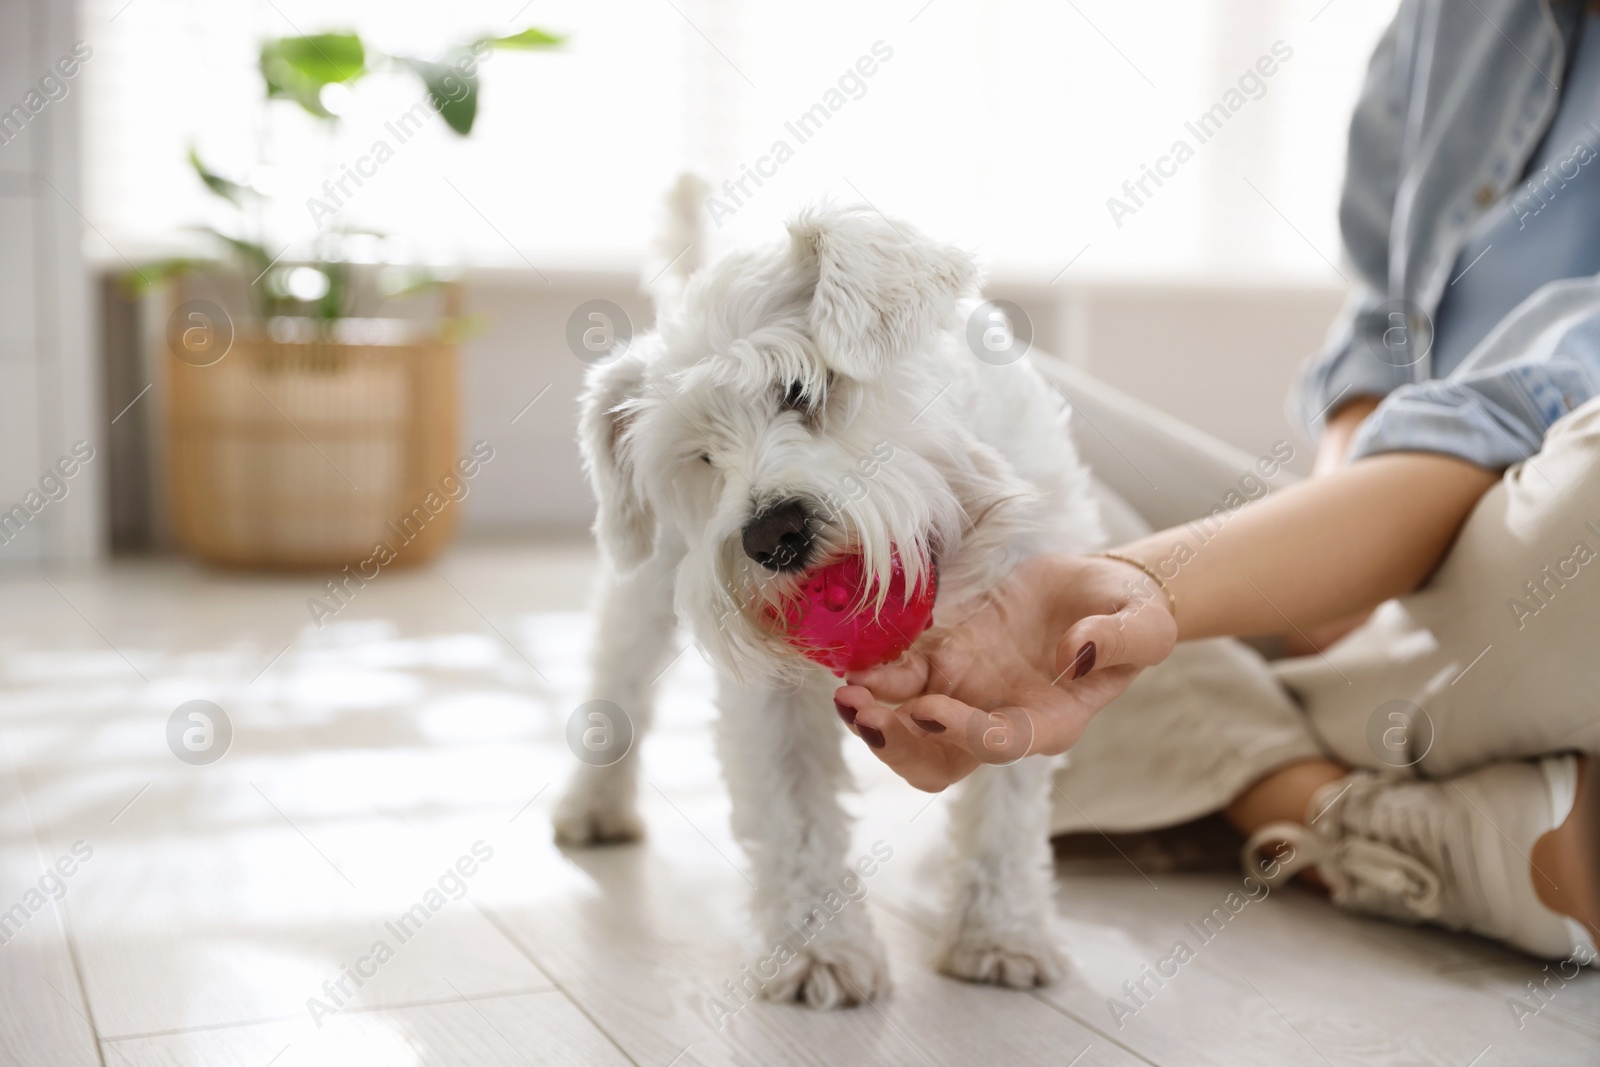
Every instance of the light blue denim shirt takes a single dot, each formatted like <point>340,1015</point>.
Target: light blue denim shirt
<point>1471,215</point>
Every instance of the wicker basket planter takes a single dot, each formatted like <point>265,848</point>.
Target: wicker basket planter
<point>300,451</point>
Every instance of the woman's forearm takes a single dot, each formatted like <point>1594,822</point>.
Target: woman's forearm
<point>1316,551</point>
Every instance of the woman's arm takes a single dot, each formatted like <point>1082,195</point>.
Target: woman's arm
<point>1065,635</point>
<point>1333,449</point>
<point>1319,550</point>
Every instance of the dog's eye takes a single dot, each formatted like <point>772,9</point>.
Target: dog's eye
<point>705,457</point>
<point>795,398</point>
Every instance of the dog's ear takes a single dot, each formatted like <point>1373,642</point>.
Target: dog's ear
<point>882,287</point>
<point>624,525</point>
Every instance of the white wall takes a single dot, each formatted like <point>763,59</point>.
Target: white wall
<point>1222,358</point>
<point>534,484</point>
<point>49,397</point>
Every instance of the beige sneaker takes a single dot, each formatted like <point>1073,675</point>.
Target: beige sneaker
<point>1454,853</point>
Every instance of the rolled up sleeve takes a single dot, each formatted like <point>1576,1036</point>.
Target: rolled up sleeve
<point>1353,363</point>
<point>1540,363</point>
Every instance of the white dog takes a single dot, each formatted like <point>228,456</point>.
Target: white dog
<point>798,401</point>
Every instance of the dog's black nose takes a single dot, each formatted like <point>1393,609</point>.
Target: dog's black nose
<point>779,537</point>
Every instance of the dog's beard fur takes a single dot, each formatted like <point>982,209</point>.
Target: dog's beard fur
<point>829,371</point>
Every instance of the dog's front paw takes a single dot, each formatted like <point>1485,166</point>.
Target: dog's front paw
<point>834,975</point>
<point>582,819</point>
<point>1018,961</point>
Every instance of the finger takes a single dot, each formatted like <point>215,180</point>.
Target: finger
<point>1063,712</point>
<point>1139,635</point>
<point>897,681</point>
<point>934,713</point>
<point>1003,735</point>
<point>1000,735</point>
<point>866,717</point>
<point>923,760</point>
<point>850,700</point>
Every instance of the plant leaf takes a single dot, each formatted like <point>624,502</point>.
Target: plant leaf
<point>323,58</point>
<point>229,190</point>
<point>297,68</point>
<point>530,38</point>
<point>253,254</point>
<point>454,94</point>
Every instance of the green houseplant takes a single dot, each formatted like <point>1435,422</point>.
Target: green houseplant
<point>310,72</point>
<point>325,440</point>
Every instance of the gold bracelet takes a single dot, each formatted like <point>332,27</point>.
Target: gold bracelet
<point>1172,601</point>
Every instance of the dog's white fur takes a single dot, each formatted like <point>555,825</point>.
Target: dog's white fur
<point>686,437</point>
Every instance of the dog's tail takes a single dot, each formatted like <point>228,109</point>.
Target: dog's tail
<point>682,243</point>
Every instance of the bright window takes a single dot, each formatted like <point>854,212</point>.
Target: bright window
<point>1003,124</point>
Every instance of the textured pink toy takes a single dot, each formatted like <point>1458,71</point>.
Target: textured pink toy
<point>821,625</point>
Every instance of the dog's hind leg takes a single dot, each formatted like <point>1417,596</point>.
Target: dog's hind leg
<point>633,643</point>
<point>999,924</point>
<point>781,755</point>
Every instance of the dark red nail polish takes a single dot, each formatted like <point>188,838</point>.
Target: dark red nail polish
<point>1084,662</point>
<point>846,712</point>
<point>871,736</point>
<point>932,726</point>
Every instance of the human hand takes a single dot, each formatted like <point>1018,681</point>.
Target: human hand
<point>1057,641</point>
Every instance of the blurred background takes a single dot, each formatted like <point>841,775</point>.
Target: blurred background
<point>438,285</point>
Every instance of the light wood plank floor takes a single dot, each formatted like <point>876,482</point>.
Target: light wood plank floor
<point>409,751</point>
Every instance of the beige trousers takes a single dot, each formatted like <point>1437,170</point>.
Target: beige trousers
<point>1497,657</point>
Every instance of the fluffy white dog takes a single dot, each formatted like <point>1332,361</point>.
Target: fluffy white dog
<point>799,401</point>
